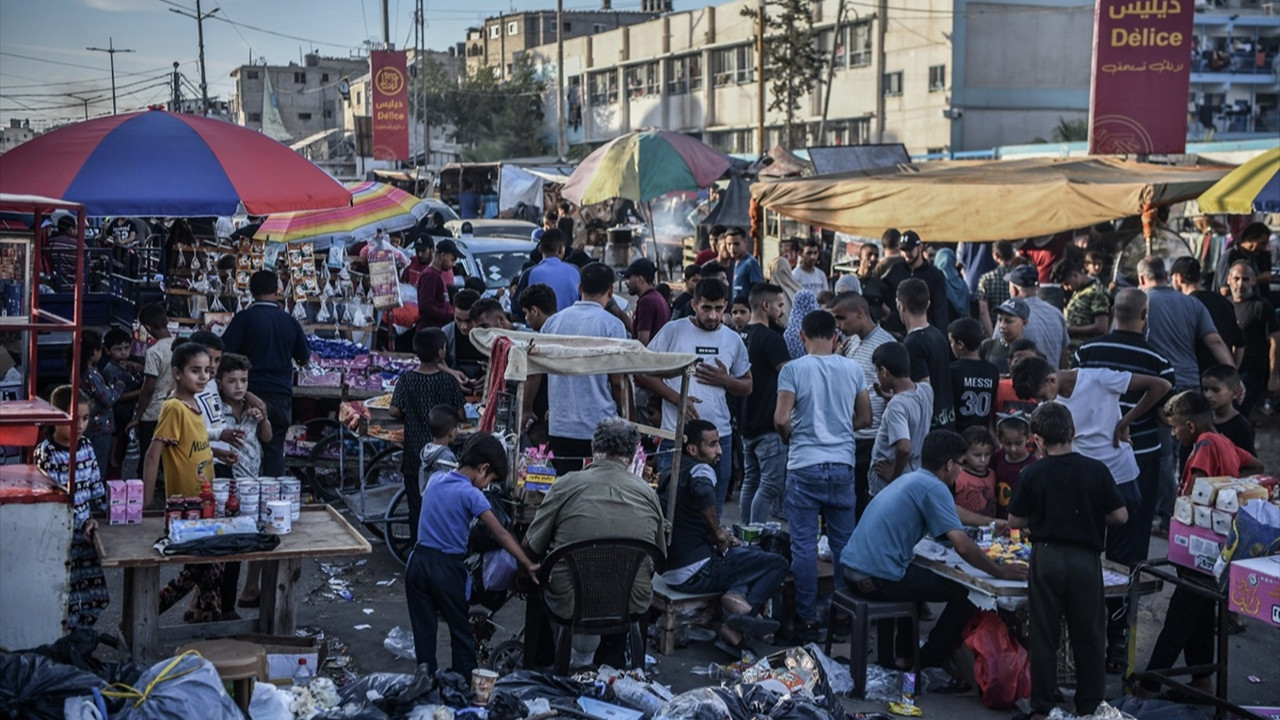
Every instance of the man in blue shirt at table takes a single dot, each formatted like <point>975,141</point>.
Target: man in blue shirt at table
<point>562,277</point>
<point>877,561</point>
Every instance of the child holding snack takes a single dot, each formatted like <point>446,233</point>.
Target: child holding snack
<point>87,592</point>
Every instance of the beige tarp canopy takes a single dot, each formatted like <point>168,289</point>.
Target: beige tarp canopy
<point>535,353</point>
<point>959,201</point>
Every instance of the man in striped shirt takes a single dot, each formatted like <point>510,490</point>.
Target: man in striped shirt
<point>1127,350</point>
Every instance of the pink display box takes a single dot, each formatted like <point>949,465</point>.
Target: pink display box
<point>321,379</point>
<point>1255,588</point>
<point>133,514</point>
<point>1194,547</point>
<point>133,491</point>
<point>118,515</point>
<point>117,493</point>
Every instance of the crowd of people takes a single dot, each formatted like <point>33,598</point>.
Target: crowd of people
<point>907,399</point>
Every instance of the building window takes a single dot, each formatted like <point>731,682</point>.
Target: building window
<point>597,28</point>
<point>732,65</point>
<point>304,116</point>
<point>324,77</point>
<point>513,28</point>
<point>255,117</point>
<point>893,83</point>
<point>731,141</point>
<point>328,114</point>
<point>937,78</point>
<point>602,87</point>
<point>568,27</point>
<point>250,74</point>
<point>684,74</point>
<point>495,31</point>
<point>843,132</point>
<point>300,78</point>
<point>860,44</point>
<point>642,79</point>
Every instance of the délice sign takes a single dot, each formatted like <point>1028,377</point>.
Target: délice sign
<point>389,92</point>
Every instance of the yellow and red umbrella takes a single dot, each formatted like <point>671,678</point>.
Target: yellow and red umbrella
<point>373,205</point>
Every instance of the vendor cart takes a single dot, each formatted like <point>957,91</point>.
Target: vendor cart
<point>524,354</point>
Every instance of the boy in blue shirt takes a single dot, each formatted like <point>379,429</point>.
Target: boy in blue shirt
<point>436,578</point>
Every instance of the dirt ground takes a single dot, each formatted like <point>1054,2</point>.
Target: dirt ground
<point>357,628</point>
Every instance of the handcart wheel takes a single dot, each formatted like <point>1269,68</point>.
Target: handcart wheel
<point>507,657</point>
<point>395,527</point>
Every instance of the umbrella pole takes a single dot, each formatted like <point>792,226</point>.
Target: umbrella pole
<point>653,234</point>
<point>672,484</point>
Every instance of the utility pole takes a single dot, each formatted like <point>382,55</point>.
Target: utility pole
<point>760,134</point>
<point>386,25</point>
<point>83,100</point>
<point>204,82</point>
<point>177,91</point>
<point>111,51</point>
<point>562,122</point>
<point>420,63</point>
<point>831,68</point>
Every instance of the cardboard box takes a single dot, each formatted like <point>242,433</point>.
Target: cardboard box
<point>132,514</point>
<point>133,491</point>
<point>1205,490</point>
<point>1184,511</point>
<point>1194,547</point>
<point>118,515</point>
<point>117,493</point>
<point>1255,589</point>
<point>1222,522</point>
<point>283,652</point>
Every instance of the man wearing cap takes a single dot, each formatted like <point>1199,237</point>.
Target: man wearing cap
<point>554,271</point>
<point>1046,326</point>
<point>424,250</point>
<point>576,403</point>
<point>1011,322</point>
<point>913,250</point>
<point>1185,277</point>
<point>434,308</point>
<point>651,311</point>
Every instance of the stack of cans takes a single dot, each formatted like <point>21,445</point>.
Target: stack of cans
<point>291,490</point>
<point>250,495</point>
<point>221,490</point>
<point>268,491</point>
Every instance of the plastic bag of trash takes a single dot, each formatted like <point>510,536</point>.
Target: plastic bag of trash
<point>269,703</point>
<point>400,643</point>
<point>429,712</point>
<point>648,698</point>
<point>1107,712</point>
<point>352,711</point>
<point>529,685</point>
<point>186,686</point>
<point>883,684</point>
<point>761,701</point>
<point>698,704</point>
<point>394,693</point>
<point>838,676</point>
<point>33,686</point>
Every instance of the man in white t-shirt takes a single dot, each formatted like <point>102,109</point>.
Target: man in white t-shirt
<point>807,272</point>
<point>822,399</point>
<point>724,370</point>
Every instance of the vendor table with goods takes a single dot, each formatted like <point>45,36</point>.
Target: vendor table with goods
<point>319,531</point>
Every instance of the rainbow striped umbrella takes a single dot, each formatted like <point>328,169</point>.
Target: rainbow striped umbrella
<point>373,205</point>
<point>643,165</point>
<point>1252,187</point>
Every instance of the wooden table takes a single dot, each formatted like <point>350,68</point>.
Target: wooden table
<point>320,531</point>
<point>333,393</point>
<point>1115,575</point>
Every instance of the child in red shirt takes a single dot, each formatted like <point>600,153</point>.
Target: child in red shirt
<point>1191,620</point>
<point>976,484</point>
<point>1009,459</point>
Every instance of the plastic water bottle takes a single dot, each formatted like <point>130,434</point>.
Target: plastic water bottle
<point>303,675</point>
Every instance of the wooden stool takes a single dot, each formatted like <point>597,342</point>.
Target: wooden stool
<point>238,663</point>
<point>671,603</point>
<point>864,611</point>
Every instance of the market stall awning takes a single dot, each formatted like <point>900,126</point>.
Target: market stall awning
<point>958,201</point>
<point>536,353</point>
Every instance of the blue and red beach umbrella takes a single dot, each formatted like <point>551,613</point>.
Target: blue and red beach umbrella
<point>156,163</point>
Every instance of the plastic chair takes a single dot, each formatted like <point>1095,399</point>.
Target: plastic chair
<point>866,611</point>
<point>602,571</point>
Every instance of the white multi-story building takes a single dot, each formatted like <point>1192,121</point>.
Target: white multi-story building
<point>940,76</point>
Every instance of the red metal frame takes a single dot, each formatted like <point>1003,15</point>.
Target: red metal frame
<point>41,320</point>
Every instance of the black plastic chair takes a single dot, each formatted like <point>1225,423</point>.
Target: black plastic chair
<point>603,571</point>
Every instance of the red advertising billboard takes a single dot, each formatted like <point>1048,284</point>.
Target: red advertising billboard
<point>390,112</point>
<point>1141,76</point>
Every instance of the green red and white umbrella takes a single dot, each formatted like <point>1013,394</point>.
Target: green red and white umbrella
<point>373,205</point>
<point>643,165</point>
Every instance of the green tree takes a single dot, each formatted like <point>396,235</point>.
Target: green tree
<point>1071,130</point>
<point>491,117</point>
<point>793,62</point>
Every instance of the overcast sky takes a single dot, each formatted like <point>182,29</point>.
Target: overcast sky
<point>43,56</point>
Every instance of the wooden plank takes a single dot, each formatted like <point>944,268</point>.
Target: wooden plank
<point>985,586</point>
<point>140,618</point>
<point>278,614</point>
<point>199,631</point>
<point>334,393</point>
<point>319,531</point>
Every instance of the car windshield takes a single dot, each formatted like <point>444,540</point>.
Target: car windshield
<point>497,267</point>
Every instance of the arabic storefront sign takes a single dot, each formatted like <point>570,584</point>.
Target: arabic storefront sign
<point>390,96</point>
<point>1141,76</point>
